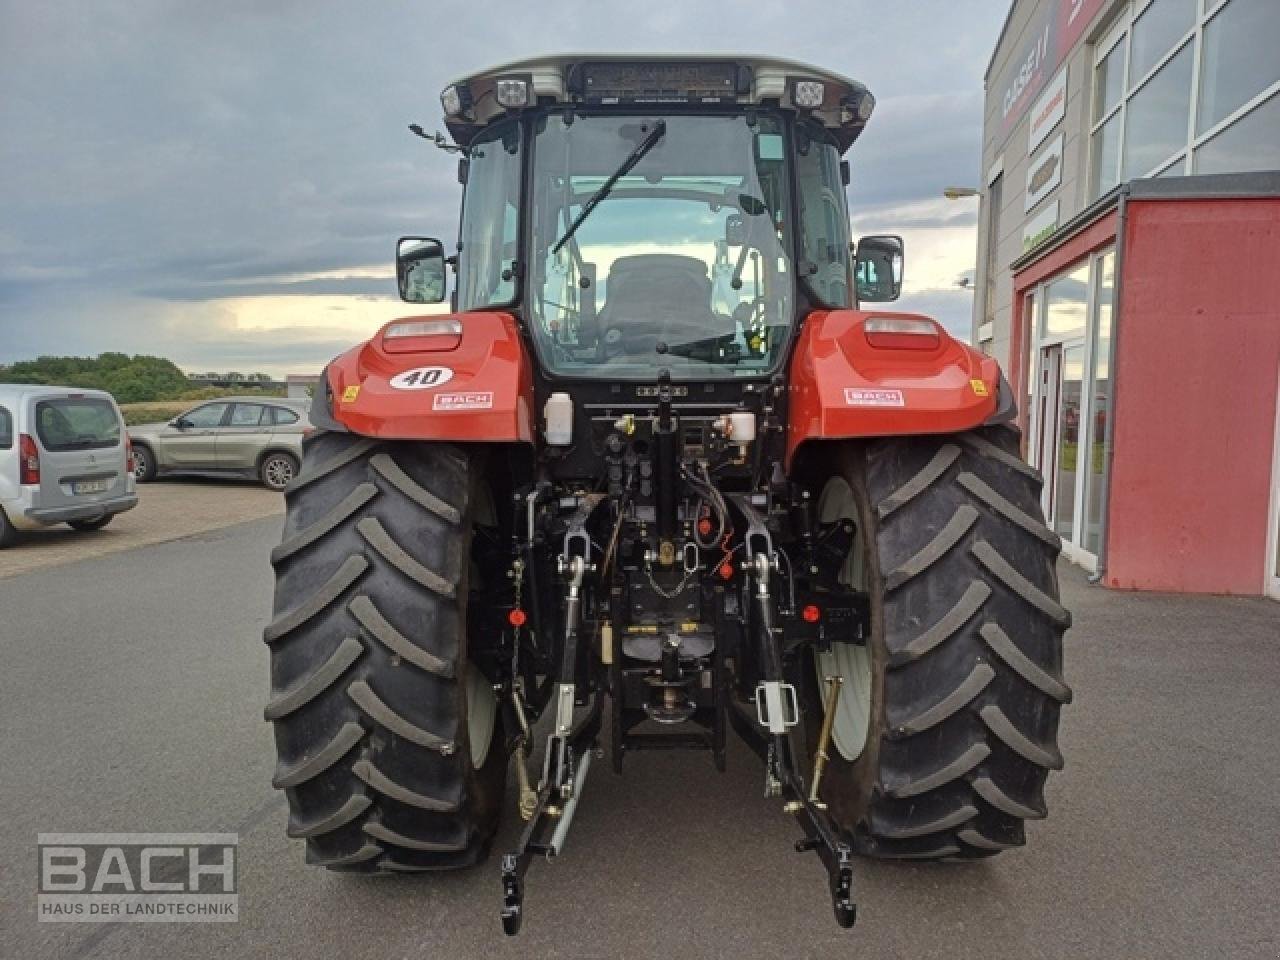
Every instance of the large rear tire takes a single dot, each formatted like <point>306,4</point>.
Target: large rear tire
<point>8,534</point>
<point>374,701</point>
<point>950,735</point>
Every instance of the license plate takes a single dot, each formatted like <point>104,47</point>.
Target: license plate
<point>81,487</point>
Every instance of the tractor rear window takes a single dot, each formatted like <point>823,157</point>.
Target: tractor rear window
<point>77,423</point>
<point>677,259</point>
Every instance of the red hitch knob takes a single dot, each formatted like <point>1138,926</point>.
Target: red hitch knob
<point>704,526</point>
<point>516,617</point>
<point>726,570</point>
<point>812,613</point>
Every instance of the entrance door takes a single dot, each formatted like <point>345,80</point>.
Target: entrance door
<point>1061,433</point>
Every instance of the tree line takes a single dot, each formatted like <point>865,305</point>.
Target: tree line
<point>136,379</point>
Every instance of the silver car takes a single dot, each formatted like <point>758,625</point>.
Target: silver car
<point>63,459</point>
<point>241,436</point>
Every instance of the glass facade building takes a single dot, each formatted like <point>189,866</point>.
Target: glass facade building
<point>1084,99</point>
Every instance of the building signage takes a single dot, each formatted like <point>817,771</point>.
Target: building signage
<point>1044,173</point>
<point>1040,227</point>
<point>1045,45</point>
<point>1048,111</point>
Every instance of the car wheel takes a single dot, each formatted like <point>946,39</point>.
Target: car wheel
<point>277,470</point>
<point>96,524</point>
<point>144,464</point>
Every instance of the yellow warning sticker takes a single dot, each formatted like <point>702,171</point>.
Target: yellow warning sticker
<point>349,395</point>
<point>979,387</point>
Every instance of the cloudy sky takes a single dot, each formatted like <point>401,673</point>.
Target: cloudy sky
<point>221,183</point>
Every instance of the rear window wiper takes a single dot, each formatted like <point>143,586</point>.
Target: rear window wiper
<point>636,155</point>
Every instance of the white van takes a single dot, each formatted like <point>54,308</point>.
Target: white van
<point>64,458</point>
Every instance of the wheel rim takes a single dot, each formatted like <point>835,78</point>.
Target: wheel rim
<point>482,714</point>
<point>848,660</point>
<point>139,465</point>
<point>279,472</point>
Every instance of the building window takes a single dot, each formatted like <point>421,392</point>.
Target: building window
<point>1183,86</point>
<point>1100,398</point>
<point>994,202</point>
<point>1251,143</point>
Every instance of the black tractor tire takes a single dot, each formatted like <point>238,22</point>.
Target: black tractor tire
<point>144,463</point>
<point>965,649</point>
<point>89,525</point>
<point>369,666</point>
<point>8,533</point>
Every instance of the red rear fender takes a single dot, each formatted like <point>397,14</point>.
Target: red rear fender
<point>846,382</point>
<point>475,386</point>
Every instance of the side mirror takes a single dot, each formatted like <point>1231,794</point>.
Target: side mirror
<point>878,268</point>
<point>420,270</point>
<point>180,423</point>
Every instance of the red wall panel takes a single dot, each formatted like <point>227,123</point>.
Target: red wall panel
<point>1197,360</point>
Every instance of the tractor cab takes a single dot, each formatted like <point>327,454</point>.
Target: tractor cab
<point>641,214</point>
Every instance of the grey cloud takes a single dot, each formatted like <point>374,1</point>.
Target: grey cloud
<point>951,308</point>
<point>345,286</point>
<point>153,148</point>
<point>873,222</point>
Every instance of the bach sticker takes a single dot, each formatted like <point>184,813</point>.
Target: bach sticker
<point>873,398</point>
<point>463,401</point>
<point>422,378</point>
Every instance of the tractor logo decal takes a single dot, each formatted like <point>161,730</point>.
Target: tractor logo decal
<point>873,398</point>
<point>422,378</point>
<point>463,401</point>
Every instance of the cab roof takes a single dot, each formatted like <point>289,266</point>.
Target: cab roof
<point>624,80</point>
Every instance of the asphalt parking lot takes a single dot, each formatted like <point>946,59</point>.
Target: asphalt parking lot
<point>131,700</point>
<point>166,510</point>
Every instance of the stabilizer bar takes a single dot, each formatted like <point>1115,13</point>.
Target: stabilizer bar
<point>779,747</point>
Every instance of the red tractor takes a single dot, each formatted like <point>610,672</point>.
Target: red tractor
<point>660,471</point>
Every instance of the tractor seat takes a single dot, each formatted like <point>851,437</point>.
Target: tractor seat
<point>659,297</point>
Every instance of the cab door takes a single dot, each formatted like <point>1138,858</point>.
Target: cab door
<point>244,436</point>
<point>191,441</point>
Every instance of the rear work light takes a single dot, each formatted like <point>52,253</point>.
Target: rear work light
<point>29,454</point>
<point>128,453</point>
<point>418,336</point>
<point>511,92</point>
<point>808,94</point>
<point>453,100</point>
<point>901,333</point>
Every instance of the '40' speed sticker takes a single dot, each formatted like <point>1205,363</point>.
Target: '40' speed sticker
<point>421,378</point>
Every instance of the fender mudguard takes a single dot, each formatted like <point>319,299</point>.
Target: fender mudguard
<point>846,385</point>
<point>475,386</point>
